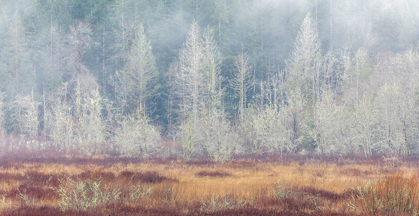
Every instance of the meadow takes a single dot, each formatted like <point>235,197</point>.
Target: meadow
<point>253,185</point>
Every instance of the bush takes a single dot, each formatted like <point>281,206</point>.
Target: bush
<point>136,136</point>
<point>82,195</point>
<point>217,203</point>
<point>392,195</point>
<point>281,191</point>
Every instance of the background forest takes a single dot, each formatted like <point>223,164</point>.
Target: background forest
<point>198,78</point>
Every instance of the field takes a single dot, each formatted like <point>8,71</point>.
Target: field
<point>291,185</point>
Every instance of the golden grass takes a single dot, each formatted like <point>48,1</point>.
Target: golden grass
<point>248,182</point>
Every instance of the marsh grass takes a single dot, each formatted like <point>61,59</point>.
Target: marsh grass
<point>245,186</point>
<point>82,195</point>
<point>394,194</point>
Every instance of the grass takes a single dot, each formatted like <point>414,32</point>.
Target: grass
<point>394,194</point>
<point>290,185</point>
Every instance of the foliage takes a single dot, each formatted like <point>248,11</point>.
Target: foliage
<point>330,77</point>
<point>392,195</point>
<point>26,114</point>
<point>135,136</point>
<point>271,132</point>
<point>82,195</point>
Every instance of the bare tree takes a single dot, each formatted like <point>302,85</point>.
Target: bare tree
<point>52,55</point>
<point>389,100</point>
<point>242,81</point>
<point>304,81</point>
<point>190,75</point>
<point>26,113</point>
<point>135,136</point>
<point>140,70</point>
<point>367,131</point>
<point>331,127</point>
<point>16,69</point>
<point>62,131</point>
<point>217,136</point>
<point>1,113</point>
<point>306,59</point>
<point>212,70</point>
<point>90,129</point>
<point>79,41</point>
<point>272,133</point>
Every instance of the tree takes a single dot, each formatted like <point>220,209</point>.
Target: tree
<point>305,63</point>
<point>78,125</point>
<point>220,18</point>
<point>332,126</point>
<point>124,15</point>
<point>391,118</point>
<point>294,117</point>
<point>242,81</point>
<point>17,74</point>
<point>305,76</point>
<point>363,69</point>
<point>62,126</point>
<point>212,70</point>
<point>217,136</point>
<point>190,76</point>
<point>90,130</point>
<point>366,130</point>
<point>26,115</point>
<point>52,55</point>
<point>135,136</point>
<point>1,114</point>
<point>79,41</point>
<point>140,71</point>
<point>271,131</point>
<point>203,129</point>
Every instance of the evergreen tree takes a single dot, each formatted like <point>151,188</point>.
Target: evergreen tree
<point>17,71</point>
<point>140,72</point>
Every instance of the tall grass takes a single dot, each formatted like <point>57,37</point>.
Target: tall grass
<point>391,195</point>
<point>5,203</point>
<point>243,187</point>
<point>82,195</point>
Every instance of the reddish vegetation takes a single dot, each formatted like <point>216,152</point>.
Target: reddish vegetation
<point>320,193</point>
<point>174,187</point>
<point>212,174</point>
<point>106,176</point>
<point>33,192</point>
<point>144,177</point>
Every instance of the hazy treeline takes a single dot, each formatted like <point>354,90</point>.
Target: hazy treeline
<point>210,78</point>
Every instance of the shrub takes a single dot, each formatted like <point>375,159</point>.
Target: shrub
<point>392,195</point>
<point>216,203</point>
<point>136,136</point>
<point>82,195</point>
<point>281,191</point>
<point>4,203</point>
<point>138,192</point>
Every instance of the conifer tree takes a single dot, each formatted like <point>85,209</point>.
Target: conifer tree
<point>140,71</point>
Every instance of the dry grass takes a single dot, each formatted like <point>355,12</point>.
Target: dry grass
<point>302,186</point>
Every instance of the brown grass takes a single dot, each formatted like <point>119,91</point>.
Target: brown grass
<point>246,186</point>
<point>395,195</point>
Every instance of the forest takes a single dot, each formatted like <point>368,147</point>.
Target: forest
<point>209,79</point>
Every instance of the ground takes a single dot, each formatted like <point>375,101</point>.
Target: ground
<point>273,185</point>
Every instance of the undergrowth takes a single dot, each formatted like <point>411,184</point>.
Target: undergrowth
<point>82,195</point>
<point>392,195</point>
<point>243,187</point>
<point>217,203</point>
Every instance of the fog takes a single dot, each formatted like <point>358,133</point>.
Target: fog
<point>157,78</point>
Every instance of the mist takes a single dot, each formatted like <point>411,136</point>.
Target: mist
<point>212,79</point>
